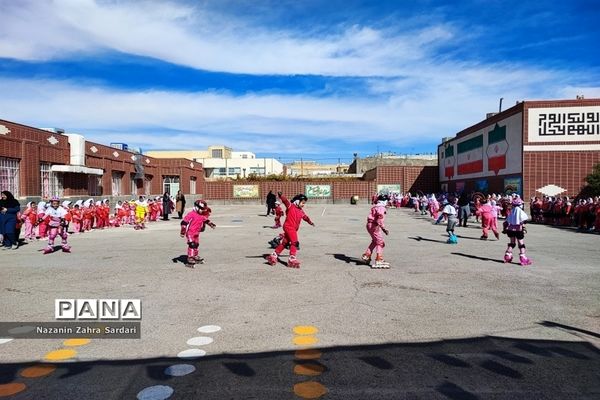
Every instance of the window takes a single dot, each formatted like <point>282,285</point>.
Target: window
<point>9,175</point>
<point>95,185</point>
<point>133,185</point>
<point>257,170</point>
<point>171,184</point>
<point>117,180</point>
<point>217,153</point>
<point>244,155</point>
<point>147,185</point>
<point>235,171</point>
<point>51,182</point>
<point>193,185</point>
<point>220,171</point>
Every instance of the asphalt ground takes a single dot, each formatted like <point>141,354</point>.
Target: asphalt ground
<point>444,322</point>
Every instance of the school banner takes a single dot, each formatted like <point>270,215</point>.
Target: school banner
<point>513,185</point>
<point>470,156</point>
<point>313,191</point>
<point>245,191</point>
<point>388,189</point>
<point>497,149</point>
<point>481,185</point>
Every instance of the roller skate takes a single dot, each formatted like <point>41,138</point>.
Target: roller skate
<point>524,260</point>
<point>49,250</point>
<point>508,257</point>
<point>272,259</point>
<point>380,263</point>
<point>293,262</point>
<point>66,249</point>
<point>191,261</point>
<point>366,258</point>
<point>483,237</point>
<point>198,260</point>
<point>452,239</point>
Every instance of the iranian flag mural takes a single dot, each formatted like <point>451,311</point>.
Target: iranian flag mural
<point>497,149</point>
<point>449,162</point>
<point>470,156</point>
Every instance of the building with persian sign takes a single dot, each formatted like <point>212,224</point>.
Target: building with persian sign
<point>535,148</point>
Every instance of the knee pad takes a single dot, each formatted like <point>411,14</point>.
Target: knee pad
<point>522,246</point>
<point>511,245</point>
<point>193,245</point>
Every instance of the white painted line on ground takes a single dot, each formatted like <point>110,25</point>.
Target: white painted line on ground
<point>199,341</point>
<point>209,329</point>
<point>191,353</point>
<point>179,369</point>
<point>158,392</point>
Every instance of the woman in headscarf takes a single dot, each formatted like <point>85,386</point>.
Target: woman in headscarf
<point>9,207</point>
<point>166,200</point>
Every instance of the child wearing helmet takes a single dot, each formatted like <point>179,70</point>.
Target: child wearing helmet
<point>294,216</point>
<point>514,229</point>
<point>192,224</point>
<point>375,226</point>
<point>57,218</point>
<point>278,215</point>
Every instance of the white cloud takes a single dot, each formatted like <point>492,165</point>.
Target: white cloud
<point>197,38</point>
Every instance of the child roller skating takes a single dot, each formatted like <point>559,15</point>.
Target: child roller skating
<point>449,212</point>
<point>294,216</point>
<point>515,230</point>
<point>192,224</point>
<point>375,226</point>
<point>56,218</point>
<point>278,215</point>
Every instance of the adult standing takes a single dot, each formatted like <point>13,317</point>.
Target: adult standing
<point>271,199</point>
<point>166,200</point>
<point>9,207</point>
<point>180,203</point>
<point>464,209</point>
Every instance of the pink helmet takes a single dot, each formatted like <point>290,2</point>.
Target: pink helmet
<point>516,201</point>
<point>54,198</point>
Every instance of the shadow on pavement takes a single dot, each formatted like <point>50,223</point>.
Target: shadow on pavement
<point>474,368</point>
<point>479,258</point>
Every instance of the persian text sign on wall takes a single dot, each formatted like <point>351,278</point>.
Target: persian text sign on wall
<point>389,189</point>
<point>245,191</point>
<point>564,124</point>
<point>313,191</point>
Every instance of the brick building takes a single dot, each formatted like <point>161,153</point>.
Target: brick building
<point>41,163</point>
<point>534,148</point>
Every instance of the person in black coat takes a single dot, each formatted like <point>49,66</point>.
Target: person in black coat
<point>166,200</point>
<point>271,199</point>
<point>9,207</point>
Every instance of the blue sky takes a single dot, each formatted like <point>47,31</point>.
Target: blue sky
<point>313,79</point>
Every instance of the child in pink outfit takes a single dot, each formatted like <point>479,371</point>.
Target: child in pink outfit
<point>485,211</point>
<point>375,227</point>
<point>191,226</point>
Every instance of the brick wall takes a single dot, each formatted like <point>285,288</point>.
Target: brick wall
<point>32,147</point>
<point>411,178</point>
<point>566,169</point>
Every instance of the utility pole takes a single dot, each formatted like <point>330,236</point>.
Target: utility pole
<point>301,167</point>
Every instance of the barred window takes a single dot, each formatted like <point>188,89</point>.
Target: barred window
<point>117,181</point>
<point>9,175</point>
<point>51,182</point>
<point>171,184</point>
<point>148,185</point>
<point>193,185</point>
<point>95,185</point>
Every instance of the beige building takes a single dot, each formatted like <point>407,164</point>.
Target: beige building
<point>222,162</point>
<point>312,168</point>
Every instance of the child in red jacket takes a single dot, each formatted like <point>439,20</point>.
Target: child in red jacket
<point>278,215</point>
<point>294,216</point>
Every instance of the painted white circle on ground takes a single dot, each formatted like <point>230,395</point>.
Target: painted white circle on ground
<point>21,329</point>
<point>209,329</point>
<point>191,353</point>
<point>199,341</point>
<point>158,392</point>
<point>5,340</point>
<point>180,369</point>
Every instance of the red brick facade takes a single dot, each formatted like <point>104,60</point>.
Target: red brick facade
<point>543,162</point>
<point>33,147</point>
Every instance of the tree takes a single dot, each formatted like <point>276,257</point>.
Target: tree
<point>593,181</point>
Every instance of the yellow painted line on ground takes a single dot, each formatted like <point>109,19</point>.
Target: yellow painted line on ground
<point>38,371</point>
<point>305,340</point>
<point>308,354</point>
<point>305,330</point>
<point>309,369</point>
<point>76,342</point>
<point>309,390</point>
<point>9,389</point>
<point>62,354</point>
